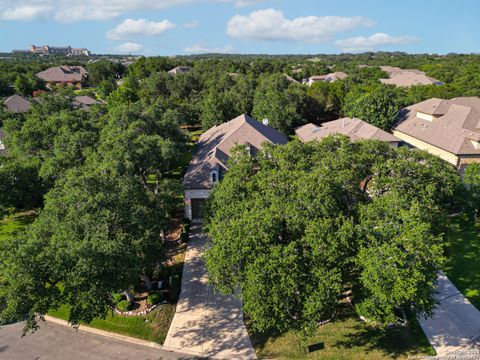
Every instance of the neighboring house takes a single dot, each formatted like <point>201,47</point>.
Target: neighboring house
<point>17,104</point>
<point>407,78</point>
<point>74,75</point>
<point>180,70</point>
<point>291,79</point>
<point>332,77</point>
<point>449,129</point>
<point>356,129</point>
<point>209,162</point>
<point>84,102</point>
<point>3,151</point>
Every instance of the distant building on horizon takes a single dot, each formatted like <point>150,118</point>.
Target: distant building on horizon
<point>54,50</point>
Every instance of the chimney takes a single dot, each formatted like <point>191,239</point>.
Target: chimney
<point>265,121</point>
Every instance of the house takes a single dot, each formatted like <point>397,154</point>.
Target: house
<point>407,77</point>
<point>180,70</point>
<point>354,128</point>
<point>449,129</point>
<point>332,77</point>
<point>210,161</point>
<point>17,104</point>
<point>84,102</point>
<point>3,151</point>
<point>74,75</point>
<point>290,79</point>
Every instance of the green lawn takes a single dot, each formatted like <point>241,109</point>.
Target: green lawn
<point>152,327</point>
<point>347,338</point>
<point>10,224</point>
<point>463,257</point>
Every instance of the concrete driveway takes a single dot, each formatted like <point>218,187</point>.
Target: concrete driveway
<point>456,322</point>
<point>59,342</point>
<point>206,323</point>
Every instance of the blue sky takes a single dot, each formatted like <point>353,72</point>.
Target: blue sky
<point>177,27</point>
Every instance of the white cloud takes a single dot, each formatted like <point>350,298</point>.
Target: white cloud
<point>377,40</point>
<point>202,49</point>
<point>137,28</point>
<point>24,12</point>
<point>270,24</point>
<point>68,11</point>
<point>191,24</point>
<point>129,48</point>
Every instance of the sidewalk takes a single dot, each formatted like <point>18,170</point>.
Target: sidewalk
<point>456,322</point>
<point>206,323</point>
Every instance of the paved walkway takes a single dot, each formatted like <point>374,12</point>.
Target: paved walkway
<point>206,323</point>
<point>58,342</point>
<point>456,322</point>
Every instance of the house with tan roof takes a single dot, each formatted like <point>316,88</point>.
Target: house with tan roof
<point>17,104</point>
<point>83,102</point>
<point>210,160</point>
<point>355,129</point>
<point>73,75</point>
<point>332,77</point>
<point>407,77</point>
<point>180,70</point>
<point>449,129</point>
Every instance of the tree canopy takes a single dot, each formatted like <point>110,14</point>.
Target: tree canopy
<point>300,224</point>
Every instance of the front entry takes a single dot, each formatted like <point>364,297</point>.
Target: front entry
<point>197,205</point>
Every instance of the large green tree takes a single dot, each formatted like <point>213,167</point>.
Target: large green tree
<point>281,102</point>
<point>377,105</point>
<point>299,223</point>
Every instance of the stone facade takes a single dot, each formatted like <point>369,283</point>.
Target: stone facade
<point>194,194</point>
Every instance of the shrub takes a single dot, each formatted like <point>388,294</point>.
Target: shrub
<point>124,305</point>
<point>116,298</point>
<point>154,297</point>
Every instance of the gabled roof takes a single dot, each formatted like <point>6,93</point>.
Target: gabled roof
<point>63,74</point>
<point>338,75</point>
<point>17,104</point>
<point>356,129</point>
<point>455,124</point>
<point>84,100</point>
<point>213,147</point>
<point>180,70</point>
<point>407,78</point>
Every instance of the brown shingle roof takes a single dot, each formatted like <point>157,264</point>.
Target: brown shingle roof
<point>354,128</point>
<point>407,78</point>
<point>63,74</point>
<point>456,123</point>
<point>213,147</point>
<point>17,104</point>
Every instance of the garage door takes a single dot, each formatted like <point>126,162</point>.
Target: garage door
<point>197,208</point>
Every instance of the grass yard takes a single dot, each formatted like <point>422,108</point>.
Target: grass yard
<point>463,257</point>
<point>347,338</point>
<point>152,327</point>
<point>13,223</point>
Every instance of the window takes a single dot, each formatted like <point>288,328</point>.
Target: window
<point>214,176</point>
